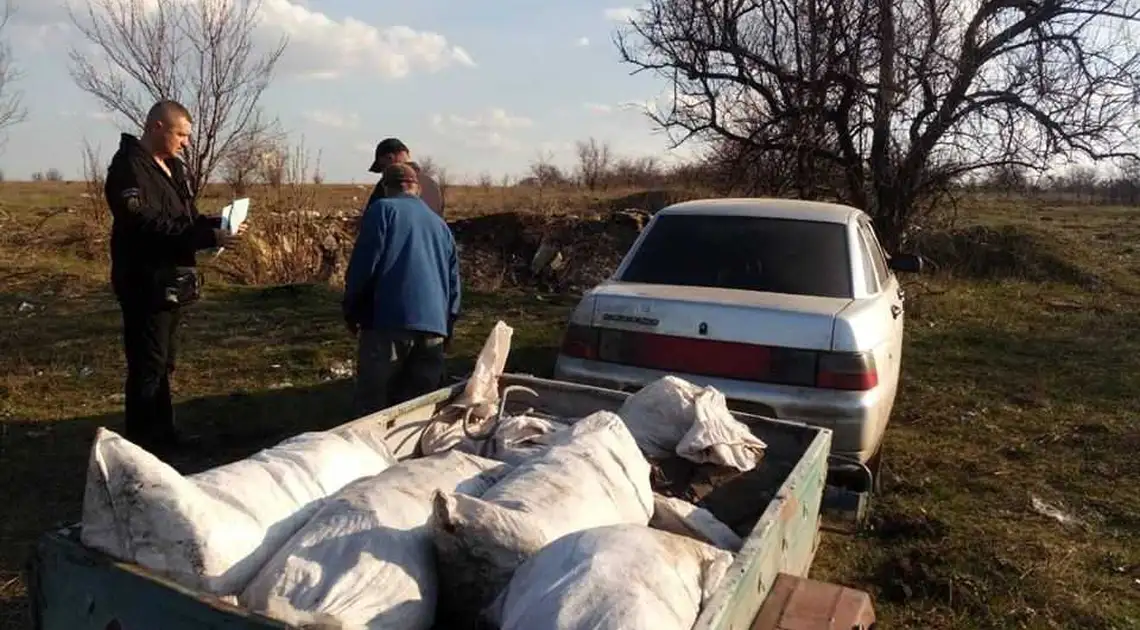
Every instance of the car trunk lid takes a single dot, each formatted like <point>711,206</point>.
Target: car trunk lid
<point>726,333</point>
<point>714,314</point>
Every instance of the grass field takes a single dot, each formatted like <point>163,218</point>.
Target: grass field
<point>1021,392</point>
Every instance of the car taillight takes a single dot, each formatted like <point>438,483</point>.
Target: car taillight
<point>852,371</point>
<point>580,342</point>
<point>709,357</point>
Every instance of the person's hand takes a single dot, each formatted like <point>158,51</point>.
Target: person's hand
<point>227,239</point>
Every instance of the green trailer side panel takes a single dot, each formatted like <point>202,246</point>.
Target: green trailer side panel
<point>75,589</point>
<point>783,541</point>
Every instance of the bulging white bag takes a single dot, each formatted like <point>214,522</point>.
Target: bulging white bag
<point>212,531</point>
<point>680,517</point>
<point>590,475</point>
<point>672,416</point>
<point>621,577</point>
<point>365,559</point>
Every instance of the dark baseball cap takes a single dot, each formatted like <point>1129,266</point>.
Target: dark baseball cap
<point>387,146</point>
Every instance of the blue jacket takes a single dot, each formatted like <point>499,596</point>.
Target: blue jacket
<point>404,270</point>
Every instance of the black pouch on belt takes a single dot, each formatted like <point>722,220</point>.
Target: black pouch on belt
<point>179,286</point>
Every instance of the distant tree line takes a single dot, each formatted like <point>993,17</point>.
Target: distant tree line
<point>1080,184</point>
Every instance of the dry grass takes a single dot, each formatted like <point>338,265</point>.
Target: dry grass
<point>1020,376</point>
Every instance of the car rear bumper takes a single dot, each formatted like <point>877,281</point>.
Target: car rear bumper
<point>851,416</point>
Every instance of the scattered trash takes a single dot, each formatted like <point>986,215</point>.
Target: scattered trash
<point>276,366</point>
<point>26,307</point>
<point>283,385</point>
<point>973,414</point>
<point>339,370</point>
<point>1052,511</point>
<point>86,371</point>
<point>117,398</point>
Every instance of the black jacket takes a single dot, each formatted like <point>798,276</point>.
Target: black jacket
<point>156,226</point>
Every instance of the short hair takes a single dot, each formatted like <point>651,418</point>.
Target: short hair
<point>399,175</point>
<point>166,111</point>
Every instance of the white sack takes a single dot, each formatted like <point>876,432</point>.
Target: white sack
<point>672,416</point>
<point>482,387</point>
<point>480,397</point>
<point>518,438</point>
<point>591,475</point>
<point>622,577</point>
<point>212,531</point>
<point>680,517</point>
<point>365,559</point>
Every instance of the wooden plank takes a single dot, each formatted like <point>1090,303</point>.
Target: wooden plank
<point>783,541</point>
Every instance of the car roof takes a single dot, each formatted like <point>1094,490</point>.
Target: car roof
<point>766,207</point>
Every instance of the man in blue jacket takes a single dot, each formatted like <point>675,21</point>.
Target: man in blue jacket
<point>401,295</point>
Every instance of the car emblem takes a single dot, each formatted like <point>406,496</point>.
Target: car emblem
<point>703,328</point>
<point>630,319</point>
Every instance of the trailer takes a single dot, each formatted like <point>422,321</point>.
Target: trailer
<point>73,587</point>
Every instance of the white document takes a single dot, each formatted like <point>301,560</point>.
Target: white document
<point>235,214</point>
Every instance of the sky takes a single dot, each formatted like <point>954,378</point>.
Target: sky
<point>476,86</point>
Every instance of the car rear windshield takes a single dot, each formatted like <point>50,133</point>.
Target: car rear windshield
<point>739,252</point>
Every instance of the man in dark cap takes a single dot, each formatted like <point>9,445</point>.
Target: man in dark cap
<point>401,294</point>
<point>393,151</point>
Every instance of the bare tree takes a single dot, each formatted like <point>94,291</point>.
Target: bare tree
<point>1009,179</point>
<point>883,103</point>
<point>593,162</point>
<point>272,164</point>
<point>11,101</point>
<point>427,166</point>
<point>545,173</point>
<point>200,53</point>
<point>242,165</point>
<point>630,172</point>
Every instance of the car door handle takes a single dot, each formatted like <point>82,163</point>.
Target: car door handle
<point>896,310</point>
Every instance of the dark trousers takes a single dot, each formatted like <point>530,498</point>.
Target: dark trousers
<point>150,345</point>
<point>395,366</point>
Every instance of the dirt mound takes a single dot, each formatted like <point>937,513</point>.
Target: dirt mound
<point>548,253</point>
<point>654,200</point>
<point>1004,252</point>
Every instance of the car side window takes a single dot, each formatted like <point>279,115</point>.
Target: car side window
<point>870,275</point>
<point>875,251</point>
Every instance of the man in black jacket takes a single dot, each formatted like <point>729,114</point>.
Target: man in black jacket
<point>155,235</point>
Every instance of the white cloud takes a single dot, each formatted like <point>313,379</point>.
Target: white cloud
<point>320,46</point>
<point>488,129</point>
<point>324,48</point>
<point>620,14</point>
<point>495,118</point>
<point>641,107</point>
<point>98,116</point>
<point>583,42</point>
<point>333,119</point>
